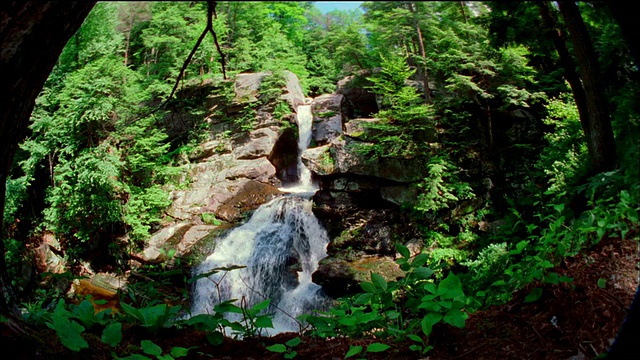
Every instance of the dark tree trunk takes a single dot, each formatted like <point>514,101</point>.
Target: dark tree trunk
<point>570,74</point>
<point>423,54</point>
<point>32,36</point>
<point>604,149</point>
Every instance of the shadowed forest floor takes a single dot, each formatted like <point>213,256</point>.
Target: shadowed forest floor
<point>577,321</point>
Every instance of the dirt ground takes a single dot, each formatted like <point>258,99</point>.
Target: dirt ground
<point>570,321</point>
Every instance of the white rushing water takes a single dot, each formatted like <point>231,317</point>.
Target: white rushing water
<point>305,186</point>
<point>280,246</point>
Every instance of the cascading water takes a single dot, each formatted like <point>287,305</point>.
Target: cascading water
<point>280,246</point>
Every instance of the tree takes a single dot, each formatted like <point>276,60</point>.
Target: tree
<point>601,133</point>
<point>570,73</point>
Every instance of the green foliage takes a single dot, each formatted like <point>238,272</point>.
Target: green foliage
<point>442,187</point>
<point>152,318</point>
<point>287,348</point>
<point>395,308</point>
<point>67,330</point>
<point>565,158</point>
<point>112,334</point>
<point>210,219</point>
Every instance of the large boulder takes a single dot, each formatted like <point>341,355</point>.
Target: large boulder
<point>330,112</point>
<point>260,144</point>
<point>247,195</point>
<point>164,240</point>
<point>342,277</point>
<point>342,156</point>
<point>247,88</point>
<point>361,98</point>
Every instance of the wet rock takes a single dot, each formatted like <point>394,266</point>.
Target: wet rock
<point>400,194</point>
<point>341,278</point>
<point>49,255</point>
<point>293,95</point>
<point>260,144</point>
<point>329,115</point>
<point>164,240</point>
<point>319,160</point>
<point>191,238</point>
<point>284,156</point>
<point>249,195</point>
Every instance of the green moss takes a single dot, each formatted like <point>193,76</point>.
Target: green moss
<point>326,114</point>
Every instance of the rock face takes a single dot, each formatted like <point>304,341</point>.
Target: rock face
<point>330,112</point>
<point>345,155</point>
<point>249,155</point>
<point>354,88</point>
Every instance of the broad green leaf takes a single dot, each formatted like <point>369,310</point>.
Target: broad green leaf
<point>368,287</point>
<point>379,281</point>
<point>277,348</point>
<point>451,287</point>
<point>602,283</point>
<point>377,347</point>
<point>430,287</point>
<point>363,299</point>
<point>552,278</point>
<point>215,338</point>
<point>112,334</point>
<point>293,342</point>
<point>204,322</point>
<point>420,260</point>
<point>423,272</point>
<point>131,311</point>
<point>415,338</point>
<point>260,306</point>
<point>348,321</point>
<point>559,208</point>
<point>178,351</point>
<point>455,317</point>
<point>150,348</point>
<point>264,322</point>
<point>353,351</point>
<point>227,307</point>
<point>403,250</point>
<point>165,357</point>
<point>85,313</point>
<point>428,321</point>
<point>290,355</point>
<point>534,295</point>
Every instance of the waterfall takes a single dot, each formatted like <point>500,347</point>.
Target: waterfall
<point>280,245</point>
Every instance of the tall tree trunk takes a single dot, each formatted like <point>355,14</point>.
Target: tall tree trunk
<point>462,10</point>
<point>126,46</point>
<point>32,35</point>
<point>570,74</point>
<point>423,54</point>
<point>604,149</point>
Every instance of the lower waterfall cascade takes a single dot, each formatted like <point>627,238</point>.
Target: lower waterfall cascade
<point>280,245</point>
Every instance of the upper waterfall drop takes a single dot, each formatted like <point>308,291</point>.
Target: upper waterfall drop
<point>305,186</point>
